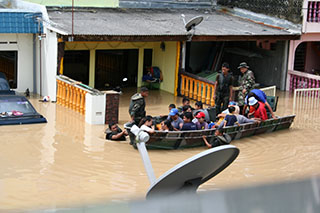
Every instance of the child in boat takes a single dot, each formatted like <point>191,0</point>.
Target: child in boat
<point>201,123</point>
<point>220,139</point>
<point>146,124</point>
<point>166,126</point>
<point>198,105</point>
<point>188,124</point>
<point>185,101</point>
<point>231,118</point>
<point>115,133</point>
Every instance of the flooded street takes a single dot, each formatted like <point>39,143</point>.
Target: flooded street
<point>68,162</point>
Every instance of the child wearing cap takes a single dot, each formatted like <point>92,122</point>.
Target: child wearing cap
<point>201,123</point>
<point>257,109</point>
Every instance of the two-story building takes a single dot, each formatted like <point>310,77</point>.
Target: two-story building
<point>304,54</point>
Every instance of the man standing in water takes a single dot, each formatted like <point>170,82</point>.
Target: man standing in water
<point>223,91</point>
<point>246,83</point>
<point>137,105</point>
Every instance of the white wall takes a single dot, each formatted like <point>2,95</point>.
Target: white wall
<point>49,64</point>
<point>24,47</point>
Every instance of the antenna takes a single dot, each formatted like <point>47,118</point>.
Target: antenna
<point>191,25</point>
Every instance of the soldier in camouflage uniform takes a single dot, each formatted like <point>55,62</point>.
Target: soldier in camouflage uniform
<point>246,83</point>
<point>137,105</point>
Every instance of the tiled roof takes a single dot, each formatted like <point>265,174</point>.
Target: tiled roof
<point>19,22</point>
<point>156,22</point>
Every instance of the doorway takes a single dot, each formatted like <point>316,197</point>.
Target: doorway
<point>112,66</point>
<point>8,66</point>
<point>76,65</point>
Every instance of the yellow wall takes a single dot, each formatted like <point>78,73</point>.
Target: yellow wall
<point>165,60</point>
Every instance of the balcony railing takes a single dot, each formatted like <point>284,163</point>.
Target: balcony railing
<point>72,94</point>
<point>197,88</point>
<point>300,80</point>
<point>313,13</point>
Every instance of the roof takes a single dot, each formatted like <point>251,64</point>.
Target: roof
<point>19,22</point>
<point>117,22</point>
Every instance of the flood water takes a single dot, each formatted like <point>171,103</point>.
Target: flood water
<point>68,162</point>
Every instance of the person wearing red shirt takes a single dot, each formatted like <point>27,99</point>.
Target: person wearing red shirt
<point>257,109</point>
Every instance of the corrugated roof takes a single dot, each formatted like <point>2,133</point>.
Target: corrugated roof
<point>156,22</point>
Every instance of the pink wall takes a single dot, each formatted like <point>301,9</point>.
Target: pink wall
<point>313,58</point>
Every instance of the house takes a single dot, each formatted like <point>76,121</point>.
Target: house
<point>304,54</point>
<point>26,55</point>
<point>103,43</point>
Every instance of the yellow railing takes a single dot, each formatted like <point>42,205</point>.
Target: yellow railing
<point>72,94</point>
<point>197,90</point>
<point>71,97</point>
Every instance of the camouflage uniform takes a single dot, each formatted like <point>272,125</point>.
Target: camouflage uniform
<point>137,107</point>
<point>247,82</point>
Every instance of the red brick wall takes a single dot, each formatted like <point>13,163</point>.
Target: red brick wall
<point>112,108</point>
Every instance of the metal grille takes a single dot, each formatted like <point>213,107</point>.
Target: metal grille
<point>286,9</point>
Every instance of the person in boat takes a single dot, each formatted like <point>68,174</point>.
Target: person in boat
<point>198,105</point>
<point>223,91</point>
<point>185,101</point>
<point>114,132</point>
<point>166,126</point>
<point>175,119</point>
<point>257,109</point>
<point>261,97</point>
<point>231,118</point>
<point>224,113</point>
<point>246,83</point>
<point>171,106</point>
<point>146,124</point>
<point>187,122</point>
<point>201,123</point>
<point>220,139</point>
<point>137,105</point>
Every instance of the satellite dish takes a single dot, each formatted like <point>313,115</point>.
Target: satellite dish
<point>193,22</point>
<point>188,175</point>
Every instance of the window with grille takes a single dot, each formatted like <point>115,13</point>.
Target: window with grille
<point>313,14</point>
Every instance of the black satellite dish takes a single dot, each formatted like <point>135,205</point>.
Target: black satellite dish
<point>193,22</point>
<point>188,175</point>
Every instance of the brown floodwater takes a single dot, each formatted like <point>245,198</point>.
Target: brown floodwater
<point>68,162</point>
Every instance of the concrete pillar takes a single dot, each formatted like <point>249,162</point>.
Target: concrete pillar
<point>92,67</point>
<point>112,107</point>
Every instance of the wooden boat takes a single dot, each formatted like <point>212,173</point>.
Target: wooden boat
<point>189,139</point>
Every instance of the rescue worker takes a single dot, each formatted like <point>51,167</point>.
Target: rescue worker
<point>246,83</point>
<point>137,105</point>
<point>223,91</point>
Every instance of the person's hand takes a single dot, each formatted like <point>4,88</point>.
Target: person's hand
<point>274,116</point>
<point>204,137</point>
<point>214,97</point>
<point>125,132</point>
<point>244,91</point>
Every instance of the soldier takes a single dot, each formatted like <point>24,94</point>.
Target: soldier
<point>137,105</point>
<point>246,83</point>
<point>223,91</point>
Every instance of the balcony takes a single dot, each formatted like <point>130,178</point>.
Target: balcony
<point>311,20</point>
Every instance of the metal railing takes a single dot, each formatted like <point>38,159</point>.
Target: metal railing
<point>306,99</point>
<point>269,91</point>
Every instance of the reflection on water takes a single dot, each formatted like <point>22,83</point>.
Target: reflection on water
<point>68,162</point>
